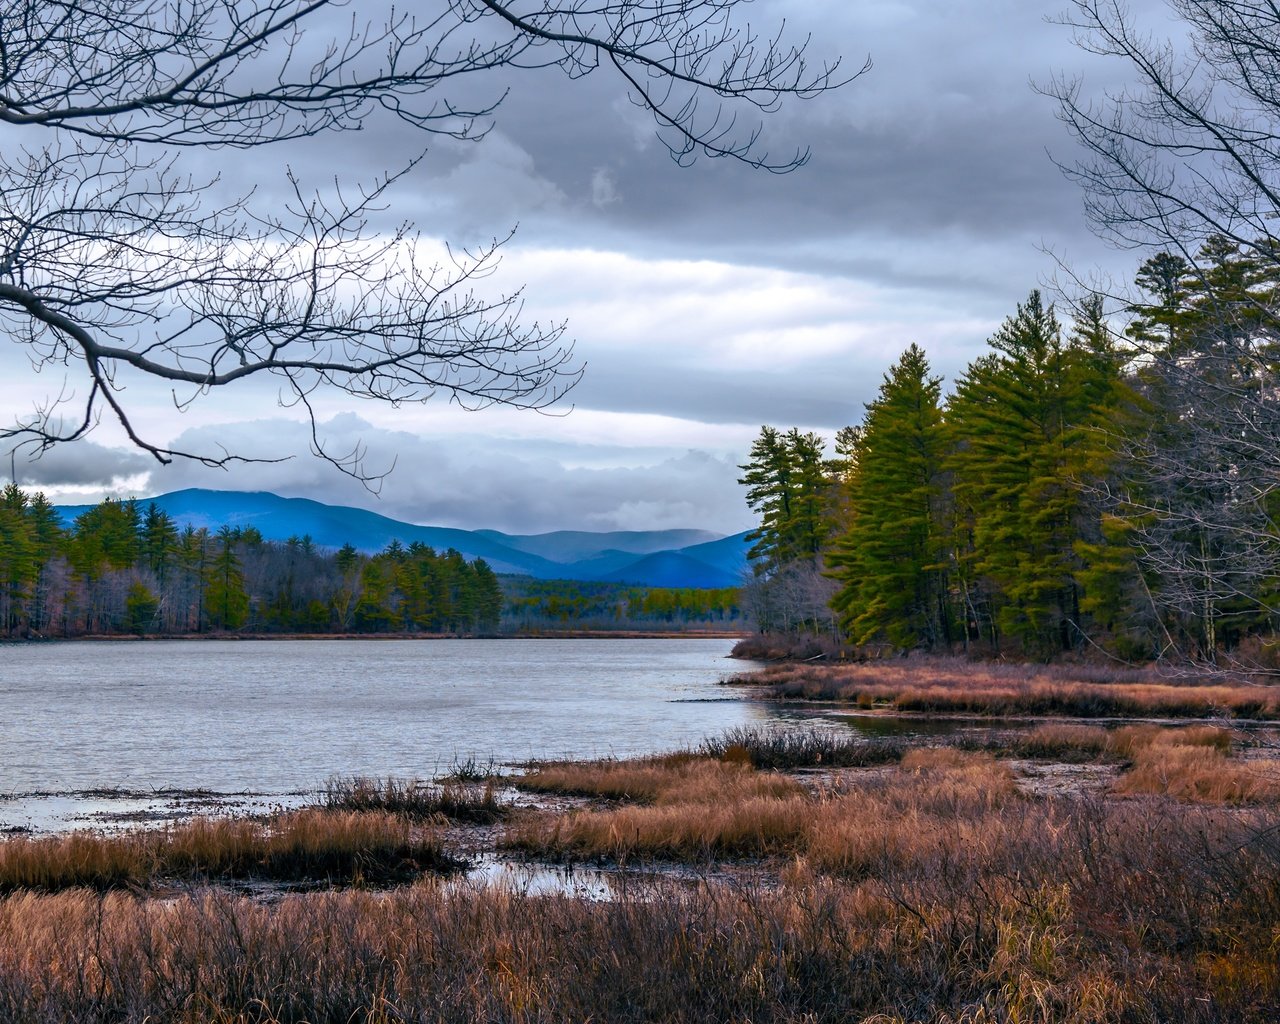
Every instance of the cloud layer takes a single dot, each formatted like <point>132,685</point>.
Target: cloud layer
<point>705,301</point>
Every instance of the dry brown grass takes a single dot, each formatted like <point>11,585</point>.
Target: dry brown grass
<point>943,686</point>
<point>678,778</point>
<point>305,844</point>
<point>1200,773</point>
<point>1071,913</point>
<point>836,828</point>
<point>1071,740</point>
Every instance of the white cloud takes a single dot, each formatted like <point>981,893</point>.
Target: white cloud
<point>604,189</point>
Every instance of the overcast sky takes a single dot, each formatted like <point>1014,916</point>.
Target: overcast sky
<point>704,301</point>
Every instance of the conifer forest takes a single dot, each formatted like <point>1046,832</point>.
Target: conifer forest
<point>1083,485</point>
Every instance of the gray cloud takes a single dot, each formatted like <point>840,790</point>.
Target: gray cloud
<point>919,219</point>
<point>476,482</point>
<point>83,464</point>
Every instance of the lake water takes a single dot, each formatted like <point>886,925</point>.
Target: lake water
<point>279,716</point>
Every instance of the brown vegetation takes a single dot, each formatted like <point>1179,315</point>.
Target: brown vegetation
<point>674,779</point>
<point>421,801</point>
<point>710,809</point>
<point>1203,774</point>
<point>1073,741</point>
<point>949,686</point>
<point>306,844</point>
<point>922,887</point>
<point>1070,912</point>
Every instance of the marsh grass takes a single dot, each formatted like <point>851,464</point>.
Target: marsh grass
<point>1200,773</point>
<point>309,844</point>
<point>783,749</point>
<point>925,888</point>
<point>952,686</point>
<point>674,779</point>
<point>707,811</point>
<point>1069,912</point>
<point>1075,742</point>
<point>469,801</point>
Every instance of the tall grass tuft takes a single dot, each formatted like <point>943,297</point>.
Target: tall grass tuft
<point>782,749</point>
<point>310,844</point>
<point>453,799</point>
<point>1200,773</point>
<point>1074,742</point>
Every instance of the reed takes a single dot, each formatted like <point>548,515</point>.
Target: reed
<point>310,844</point>
<point>456,799</point>
<point>1075,742</point>
<point>1077,912</point>
<point>783,749</point>
<point>678,778</point>
<point>944,686</point>
<point>709,819</point>
<point>1200,773</point>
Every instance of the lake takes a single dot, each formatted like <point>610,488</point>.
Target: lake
<point>279,716</point>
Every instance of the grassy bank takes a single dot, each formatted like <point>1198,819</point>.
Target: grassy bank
<point>307,845</point>
<point>952,686</point>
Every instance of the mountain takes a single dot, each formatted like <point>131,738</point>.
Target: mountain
<point>658,558</point>
<point>576,545</point>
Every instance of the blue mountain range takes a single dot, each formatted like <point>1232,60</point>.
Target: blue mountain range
<point>656,558</point>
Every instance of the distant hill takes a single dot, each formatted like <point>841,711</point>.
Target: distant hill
<point>657,558</point>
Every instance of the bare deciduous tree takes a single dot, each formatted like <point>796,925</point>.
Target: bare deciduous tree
<point>1192,148</point>
<point>114,263</point>
<point>1185,162</point>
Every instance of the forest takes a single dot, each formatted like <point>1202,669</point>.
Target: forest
<point>1081,487</point>
<point>126,568</point>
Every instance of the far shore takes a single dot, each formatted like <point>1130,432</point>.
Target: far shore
<point>543,634</point>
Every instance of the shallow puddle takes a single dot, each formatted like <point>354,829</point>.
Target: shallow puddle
<point>530,879</point>
<point>125,811</point>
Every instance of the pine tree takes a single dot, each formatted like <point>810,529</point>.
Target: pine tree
<point>1008,421</point>
<point>891,559</point>
<point>18,564</point>
<point>227,601</point>
<point>767,475</point>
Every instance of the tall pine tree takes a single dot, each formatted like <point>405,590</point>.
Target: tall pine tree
<point>891,560</point>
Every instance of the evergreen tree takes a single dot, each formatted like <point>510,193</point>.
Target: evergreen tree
<point>767,475</point>
<point>1009,421</point>
<point>891,560</point>
<point>227,600</point>
<point>18,565</point>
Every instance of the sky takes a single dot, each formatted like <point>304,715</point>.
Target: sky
<point>702,301</point>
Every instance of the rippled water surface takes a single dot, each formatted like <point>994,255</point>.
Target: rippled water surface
<point>275,716</point>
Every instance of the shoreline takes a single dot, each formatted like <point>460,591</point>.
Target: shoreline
<point>546,634</point>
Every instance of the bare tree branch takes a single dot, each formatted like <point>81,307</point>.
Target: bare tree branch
<point>115,266</point>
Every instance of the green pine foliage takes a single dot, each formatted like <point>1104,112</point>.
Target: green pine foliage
<point>1079,488</point>
<point>891,559</point>
<point>787,484</point>
<point>124,569</point>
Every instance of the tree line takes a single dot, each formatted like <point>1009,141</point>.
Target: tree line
<point>123,568</point>
<point>1080,486</point>
<point>548,604</point>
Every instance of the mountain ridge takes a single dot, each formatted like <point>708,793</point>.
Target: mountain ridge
<point>678,557</point>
